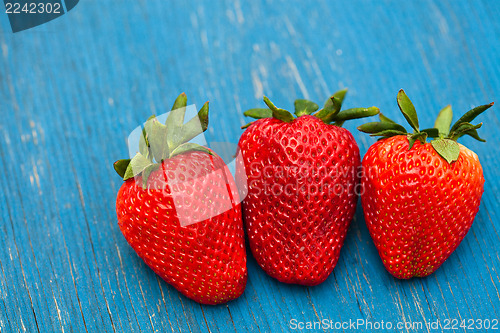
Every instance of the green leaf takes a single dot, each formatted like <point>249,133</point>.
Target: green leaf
<point>408,110</point>
<point>471,115</point>
<point>174,124</point>
<point>203,116</point>
<point>376,127</point>
<point>144,145</point>
<point>157,138</point>
<point>356,113</point>
<point>190,146</point>
<point>473,133</point>
<point>328,106</point>
<point>411,141</point>
<point>137,164</point>
<point>340,95</point>
<point>462,129</point>
<point>330,110</point>
<point>258,113</point>
<point>247,125</point>
<point>447,149</point>
<point>431,132</point>
<point>385,119</point>
<point>334,102</point>
<point>143,141</point>
<point>303,106</point>
<point>420,136</point>
<point>147,171</point>
<point>278,113</point>
<point>389,133</point>
<point>443,120</point>
<point>121,166</point>
<point>176,117</point>
<point>180,102</point>
<point>194,126</point>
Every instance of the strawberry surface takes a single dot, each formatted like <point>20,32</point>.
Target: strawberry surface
<point>417,206</point>
<point>186,225</point>
<point>301,178</point>
<point>180,211</point>
<point>420,199</point>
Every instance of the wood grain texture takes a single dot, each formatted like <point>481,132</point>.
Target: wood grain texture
<point>73,89</point>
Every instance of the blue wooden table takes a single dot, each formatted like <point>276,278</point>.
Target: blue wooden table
<point>72,90</point>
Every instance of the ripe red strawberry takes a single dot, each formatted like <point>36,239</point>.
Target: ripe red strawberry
<point>301,175</point>
<point>179,210</point>
<point>420,199</point>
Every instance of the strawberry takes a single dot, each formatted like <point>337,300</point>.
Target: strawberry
<point>420,198</point>
<point>301,175</point>
<point>179,210</point>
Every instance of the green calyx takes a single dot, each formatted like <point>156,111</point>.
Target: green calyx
<point>443,133</point>
<point>162,141</point>
<point>329,114</point>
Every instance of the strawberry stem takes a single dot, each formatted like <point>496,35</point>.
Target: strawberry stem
<point>329,114</point>
<point>443,121</point>
<point>407,109</point>
<point>303,107</point>
<point>445,138</point>
<point>159,142</point>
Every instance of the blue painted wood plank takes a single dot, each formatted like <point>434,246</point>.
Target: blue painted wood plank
<point>73,89</point>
